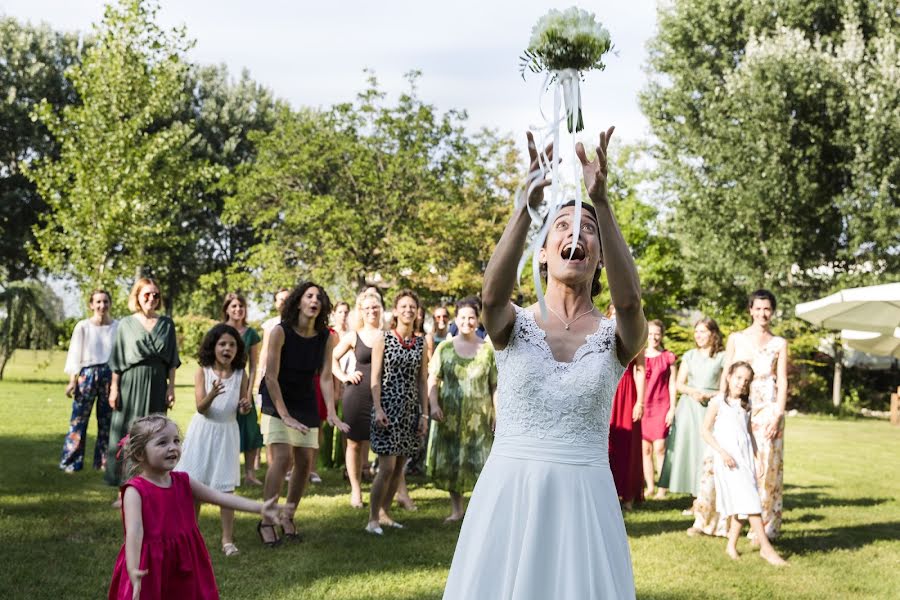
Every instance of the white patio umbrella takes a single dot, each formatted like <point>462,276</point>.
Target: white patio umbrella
<point>872,312</point>
<point>872,308</point>
<point>873,342</point>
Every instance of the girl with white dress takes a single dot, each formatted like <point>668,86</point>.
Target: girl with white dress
<point>212,446</point>
<point>727,431</point>
<point>544,520</point>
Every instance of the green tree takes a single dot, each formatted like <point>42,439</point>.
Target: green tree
<point>224,113</point>
<point>125,168</point>
<point>33,59</point>
<point>368,190</point>
<point>779,131</point>
<point>29,312</point>
<point>645,229</point>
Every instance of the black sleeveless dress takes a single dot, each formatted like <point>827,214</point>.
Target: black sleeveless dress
<point>357,399</point>
<point>301,359</point>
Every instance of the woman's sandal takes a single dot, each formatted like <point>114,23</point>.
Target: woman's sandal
<point>269,543</point>
<point>292,536</point>
<point>230,549</point>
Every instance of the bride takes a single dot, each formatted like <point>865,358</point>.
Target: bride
<point>544,520</point>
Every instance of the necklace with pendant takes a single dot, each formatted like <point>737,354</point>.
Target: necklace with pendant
<point>573,320</point>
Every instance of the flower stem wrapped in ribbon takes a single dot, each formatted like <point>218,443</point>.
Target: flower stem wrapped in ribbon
<point>563,46</point>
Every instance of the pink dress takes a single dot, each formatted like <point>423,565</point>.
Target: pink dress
<point>656,396</point>
<point>173,551</point>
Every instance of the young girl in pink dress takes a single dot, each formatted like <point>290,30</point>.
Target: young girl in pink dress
<point>659,404</point>
<point>164,556</point>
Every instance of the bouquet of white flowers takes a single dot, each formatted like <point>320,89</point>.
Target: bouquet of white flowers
<point>563,45</point>
<point>563,42</point>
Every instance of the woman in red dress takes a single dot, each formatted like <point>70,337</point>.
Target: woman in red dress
<point>659,404</point>
<point>625,434</point>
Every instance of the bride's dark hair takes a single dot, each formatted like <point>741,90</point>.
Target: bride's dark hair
<point>595,284</point>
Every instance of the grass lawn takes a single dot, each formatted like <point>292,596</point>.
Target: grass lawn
<point>59,537</point>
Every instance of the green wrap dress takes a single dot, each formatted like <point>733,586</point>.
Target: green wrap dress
<point>460,445</point>
<point>142,360</point>
<point>248,424</point>
<point>681,468</point>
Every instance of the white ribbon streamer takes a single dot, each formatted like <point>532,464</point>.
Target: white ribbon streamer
<point>567,92</point>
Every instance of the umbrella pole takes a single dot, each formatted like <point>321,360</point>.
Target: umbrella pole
<point>838,371</point>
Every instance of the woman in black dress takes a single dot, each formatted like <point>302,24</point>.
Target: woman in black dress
<point>299,348</point>
<point>357,398</point>
<point>399,379</point>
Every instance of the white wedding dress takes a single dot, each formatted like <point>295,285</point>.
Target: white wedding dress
<point>544,521</point>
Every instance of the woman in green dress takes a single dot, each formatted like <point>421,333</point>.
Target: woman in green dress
<point>698,381</point>
<point>462,381</point>
<point>234,313</point>
<point>143,362</point>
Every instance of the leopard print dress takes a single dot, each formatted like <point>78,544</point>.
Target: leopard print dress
<point>399,399</point>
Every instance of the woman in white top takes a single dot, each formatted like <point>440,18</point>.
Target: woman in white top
<point>544,520</point>
<point>89,380</point>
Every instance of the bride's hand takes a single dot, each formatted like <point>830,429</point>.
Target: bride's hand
<point>595,171</point>
<point>536,186</point>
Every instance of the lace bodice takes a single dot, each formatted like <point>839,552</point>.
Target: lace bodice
<point>543,398</point>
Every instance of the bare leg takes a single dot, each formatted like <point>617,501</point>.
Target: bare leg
<point>314,476</point>
<point>456,507</point>
<point>766,550</point>
<point>659,452</point>
<point>403,498</point>
<point>647,454</point>
<point>279,462</point>
<point>380,487</point>
<point>250,457</point>
<point>227,516</point>
<point>396,479</point>
<point>734,532</point>
<point>354,457</point>
<point>303,461</point>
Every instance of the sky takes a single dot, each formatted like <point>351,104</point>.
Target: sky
<point>314,53</point>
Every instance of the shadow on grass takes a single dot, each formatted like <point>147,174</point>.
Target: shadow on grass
<point>850,537</point>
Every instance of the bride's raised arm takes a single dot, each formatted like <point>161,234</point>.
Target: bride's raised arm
<point>500,275</point>
<point>621,272</point>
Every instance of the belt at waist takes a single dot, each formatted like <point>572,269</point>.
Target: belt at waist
<point>551,450</point>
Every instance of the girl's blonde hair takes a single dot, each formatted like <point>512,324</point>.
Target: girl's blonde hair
<point>133,304</point>
<point>139,435</point>
<point>360,322</point>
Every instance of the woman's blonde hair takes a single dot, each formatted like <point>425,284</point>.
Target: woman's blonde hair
<point>360,322</point>
<point>133,304</point>
<point>139,435</point>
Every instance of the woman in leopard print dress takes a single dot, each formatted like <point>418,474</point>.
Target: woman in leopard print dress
<point>399,377</point>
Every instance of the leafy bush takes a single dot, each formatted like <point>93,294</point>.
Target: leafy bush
<point>189,331</point>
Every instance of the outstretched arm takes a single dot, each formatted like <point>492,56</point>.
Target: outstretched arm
<point>203,493</point>
<point>621,272</point>
<point>498,315</point>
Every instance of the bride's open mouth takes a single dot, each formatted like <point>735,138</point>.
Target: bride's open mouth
<point>578,255</point>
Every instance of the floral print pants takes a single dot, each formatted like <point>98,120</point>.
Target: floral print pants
<point>92,384</point>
